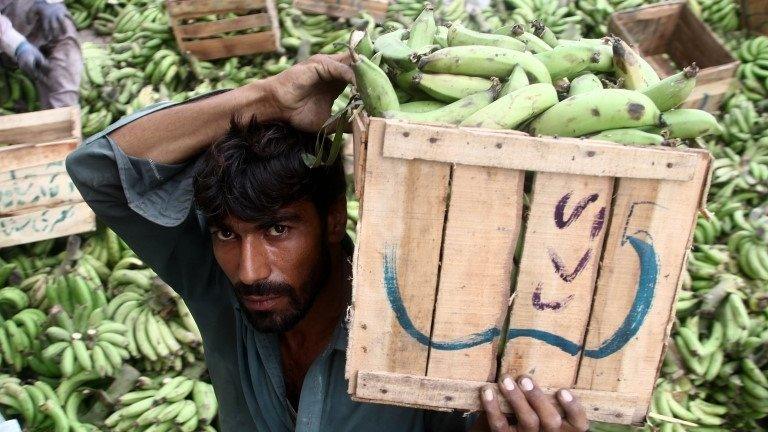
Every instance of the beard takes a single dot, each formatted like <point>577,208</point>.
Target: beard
<point>300,299</point>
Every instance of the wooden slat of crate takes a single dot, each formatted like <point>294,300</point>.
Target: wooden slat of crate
<point>707,97</point>
<point>754,15</point>
<point>650,232</point>
<point>27,155</point>
<point>46,223</point>
<point>39,126</point>
<point>562,247</point>
<point>207,49</point>
<point>198,8</point>
<point>205,29</point>
<point>344,8</point>
<point>40,186</point>
<point>402,232</point>
<point>523,152</point>
<point>481,232</point>
<point>432,393</point>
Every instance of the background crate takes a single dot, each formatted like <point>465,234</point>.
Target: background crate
<point>344,8</point>
<point>671,37</point>
<point>206,40</point>
<point>754,15</point>
<point>441,215</point>
<point>38,200</point>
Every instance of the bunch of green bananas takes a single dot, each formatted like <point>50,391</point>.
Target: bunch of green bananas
<point>42,408</point>
<point>173,403</point>
<point>19,328</point>
<point>85,342</point>
<point>596,13</point>
<point>560,19</point>
<point>673,400</point>
<point>308,34</point>
<point>741,176</point>
<point>742,124</point>
<point>160,328</point>
<point>753,71</point>
<point>514,79</point>
<point>17,91</point>
<point>721,15</point>
<point>750,242</point>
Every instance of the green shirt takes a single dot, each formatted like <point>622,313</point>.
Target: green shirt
<point>150,206</point>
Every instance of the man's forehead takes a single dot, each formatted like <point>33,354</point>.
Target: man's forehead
<point>294,212</point>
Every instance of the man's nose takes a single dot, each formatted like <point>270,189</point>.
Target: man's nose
<point>254,262</point>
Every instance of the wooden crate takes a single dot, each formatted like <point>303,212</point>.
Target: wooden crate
<point>206,40</point>
<point>38,200</point>
<point>671,37</point>
<point>344,8</point>
<point>754,15</point>
<point>605,243</point>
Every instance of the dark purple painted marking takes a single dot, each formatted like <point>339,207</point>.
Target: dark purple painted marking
<point>551,305</point>
<point>559,266</point>
<point>578,209</point>
<point>597,225</point>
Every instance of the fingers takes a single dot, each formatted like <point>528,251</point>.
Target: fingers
<point>343,57</point>
<point>497,421</point>
<point>527,419</point>
<point>331,69</point>
<point>549,418</point>
<point>59,26</point>
<point>574,412</point>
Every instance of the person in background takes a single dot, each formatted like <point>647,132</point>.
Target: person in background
<point>40,38</point>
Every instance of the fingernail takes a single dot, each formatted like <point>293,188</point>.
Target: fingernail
<point>508,383</point>
<point>566,395</point>
<point>526,384</point>
<point>488,394</point>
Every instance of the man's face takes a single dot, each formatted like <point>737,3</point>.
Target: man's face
<point>277,268</point>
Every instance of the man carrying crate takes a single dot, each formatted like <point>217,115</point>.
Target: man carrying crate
<point>41,39</point>
<point>213,194</point>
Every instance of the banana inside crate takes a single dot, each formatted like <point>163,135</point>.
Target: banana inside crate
<point>522,77</point>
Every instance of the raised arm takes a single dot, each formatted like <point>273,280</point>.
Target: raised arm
<point>302,96</point>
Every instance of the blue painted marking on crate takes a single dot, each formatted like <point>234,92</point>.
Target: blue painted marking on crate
<point>649,270</point>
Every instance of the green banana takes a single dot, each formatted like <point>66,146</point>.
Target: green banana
<point>532,42</point>
<point>375,89</point>
<point>629,136</point>
<point>568,60</point>
<point>584,83</point>
<point>450,88</point>
<point>687,123</point>
<point>423,30</point>
<point>673,90</point>
<point>420,106</point>
<point>516,80</point>
<point>596,111</point>
<point>458,35</point>
<point>453,113</point>
<point>515,108</point>
<point>483,61</point>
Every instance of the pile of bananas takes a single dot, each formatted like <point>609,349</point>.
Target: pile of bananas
<point>402,13</point>
<point>17,92</point>
<point>540,85</point>
<point>753,71</point>
<point>560,19</point>
<point>721,15</point>
<point>170,403</point>
<point>596,13</point>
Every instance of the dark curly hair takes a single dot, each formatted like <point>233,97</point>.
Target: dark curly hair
<point>257,168</point>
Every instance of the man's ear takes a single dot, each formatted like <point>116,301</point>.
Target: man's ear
<point>337,220</point>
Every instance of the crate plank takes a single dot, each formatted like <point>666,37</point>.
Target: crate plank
<point>360,140</point>
<point>39,126</point>
<point>708,96</point>
<point>34,187</point>
<point>428,392</point>
<point>344,8</point>
<point>27,155</point>
<point>207,49</point>
<point>650,233</point>
<point>484,216</point>
<point>46,223</point>
<point>754,15</point>
<point>517,151</point>
<point>206,29</point>
<point>396,262</point>
<point>563,242</point>
<point>198,8</point>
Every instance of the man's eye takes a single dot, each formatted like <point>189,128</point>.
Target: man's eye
<point>224,235</point>
<point>277,230</point>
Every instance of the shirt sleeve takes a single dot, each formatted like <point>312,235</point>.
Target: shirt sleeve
<point>149,205</point>
<point>10,39</point>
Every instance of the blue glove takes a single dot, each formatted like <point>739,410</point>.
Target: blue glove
<point>52,17</point>
<point>31,60</point>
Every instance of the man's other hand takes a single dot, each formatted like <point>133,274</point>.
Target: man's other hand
<point>303,94</point>
<point>533,410</point>
<point>31,61</point>
<point>52,17</point>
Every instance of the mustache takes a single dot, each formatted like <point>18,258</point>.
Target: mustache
<point>266,288</point>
